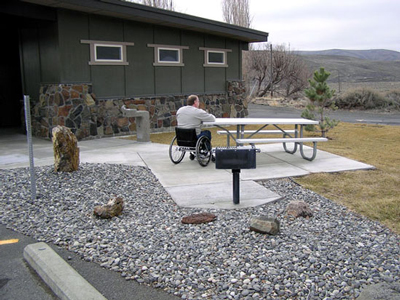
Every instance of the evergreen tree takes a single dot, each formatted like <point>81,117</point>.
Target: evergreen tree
<point>320,96</point>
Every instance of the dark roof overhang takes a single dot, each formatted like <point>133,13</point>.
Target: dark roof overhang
<point>137,12</point>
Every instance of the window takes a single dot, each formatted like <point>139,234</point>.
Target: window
<point>215,57</point>
<point>166,55</point>
<point>107,53</point>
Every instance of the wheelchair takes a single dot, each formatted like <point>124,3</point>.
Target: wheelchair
<point>186,140</point>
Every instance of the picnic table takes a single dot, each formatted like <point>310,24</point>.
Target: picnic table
<point>242,136</point>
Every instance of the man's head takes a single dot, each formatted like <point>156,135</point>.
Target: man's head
<point>193,100</point>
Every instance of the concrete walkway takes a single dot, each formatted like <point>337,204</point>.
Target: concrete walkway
<point>189,184</point>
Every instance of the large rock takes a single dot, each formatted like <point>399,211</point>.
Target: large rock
<point>266,225</point>
<point>381,291</point>
<point>299,209</point>
<point>199,218</point>
<point>66,151</point>
<point>113,208</point>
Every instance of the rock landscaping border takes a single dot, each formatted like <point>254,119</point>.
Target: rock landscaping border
<point>331,255</point>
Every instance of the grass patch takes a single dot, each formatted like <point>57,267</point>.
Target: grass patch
<point>374,194</point>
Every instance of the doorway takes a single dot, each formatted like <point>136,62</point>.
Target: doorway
<point>11,94</point>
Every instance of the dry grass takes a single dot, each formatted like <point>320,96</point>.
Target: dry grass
<point>375,194</point>
<point>381,87</point>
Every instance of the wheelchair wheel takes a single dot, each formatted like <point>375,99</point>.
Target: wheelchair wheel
<point>203,151</point>
<point>175,153</point>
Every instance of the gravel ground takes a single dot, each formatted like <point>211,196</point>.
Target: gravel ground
<point>329,256</point>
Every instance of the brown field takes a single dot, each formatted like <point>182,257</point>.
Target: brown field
<point>381,87</point>
<point>374,194</point>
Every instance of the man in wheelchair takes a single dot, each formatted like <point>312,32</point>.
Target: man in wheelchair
<point>191,116</point>
<point>189,136</point>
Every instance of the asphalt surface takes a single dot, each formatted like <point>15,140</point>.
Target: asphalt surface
<point>354,116</point>
<point>19,281</point>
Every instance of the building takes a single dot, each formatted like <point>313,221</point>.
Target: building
<point>81,60</point>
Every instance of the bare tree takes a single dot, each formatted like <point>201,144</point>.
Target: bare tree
<point>255,68</point>
<point>164,4</point>
<point>297,76</point>
<point>237,12</point>
<point>274,69</point>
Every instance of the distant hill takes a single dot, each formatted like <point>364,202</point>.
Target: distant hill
<point>353,69</point>
<point>374,54</point>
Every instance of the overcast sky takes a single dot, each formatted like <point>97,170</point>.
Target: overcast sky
<point>316,24</point>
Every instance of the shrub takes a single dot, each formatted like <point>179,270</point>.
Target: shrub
<point>393,98</point>
<point>361,98</point>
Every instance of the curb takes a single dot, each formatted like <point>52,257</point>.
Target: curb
<point>63,280</point>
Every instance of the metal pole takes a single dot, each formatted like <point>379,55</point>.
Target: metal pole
<point>272,73</point>
<point>236,186</point>
<point>30,147</point>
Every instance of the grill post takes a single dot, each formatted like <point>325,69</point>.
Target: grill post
<point>236,186</point>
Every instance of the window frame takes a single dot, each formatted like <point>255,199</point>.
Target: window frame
<point>216,63</point>
<point>102,60</point>
<point>159,49</point>
<point>107,62</point>
<point>159,63</point>
<point>207,62</point>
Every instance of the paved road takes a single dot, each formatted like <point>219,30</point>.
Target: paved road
<point>19,281</point>
<point>262,111</point>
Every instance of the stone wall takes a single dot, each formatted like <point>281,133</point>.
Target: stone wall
<point>75,106</point>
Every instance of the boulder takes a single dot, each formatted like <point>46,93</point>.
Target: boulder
<point>66,151</point>
<point>265,225</point>
<point>199,218</point>
<point>381,291</point>
<point>299,209</point>
<point>113,208</point>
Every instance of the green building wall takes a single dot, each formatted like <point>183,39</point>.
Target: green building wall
<point>140,77</point>
<point>66,90</point>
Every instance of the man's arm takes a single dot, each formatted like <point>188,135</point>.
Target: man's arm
<point>205,117</point>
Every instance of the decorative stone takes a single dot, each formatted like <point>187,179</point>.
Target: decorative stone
<point>89,100</point>
<point>66,151</point>
<point>299,209</point>
<point>122,122</point>
<point>265,225</point>
<point>155,113</point>
<point>113,208</point>
<point>199,218</point>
